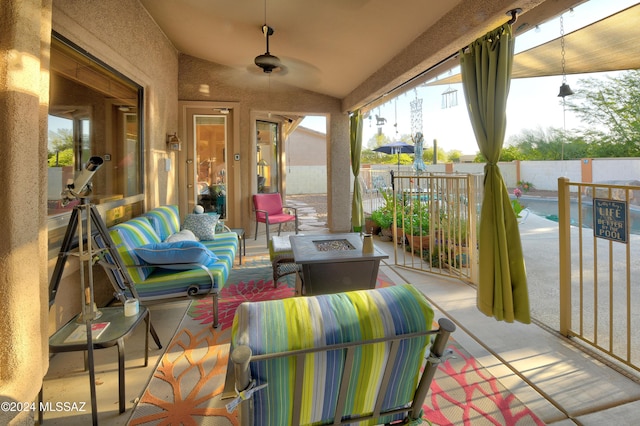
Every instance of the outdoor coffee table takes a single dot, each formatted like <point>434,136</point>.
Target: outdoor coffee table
<point>332,263</point>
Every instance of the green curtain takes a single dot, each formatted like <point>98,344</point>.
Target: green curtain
<point>486,76</point>
<point>357,212</point>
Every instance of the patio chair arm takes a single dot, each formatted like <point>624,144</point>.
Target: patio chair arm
<point>266,214</point>
<point>295,209</point>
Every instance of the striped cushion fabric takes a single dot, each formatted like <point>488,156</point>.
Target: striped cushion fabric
<point>115,277</point>
<point>127,236</point>
<point>311,322</point>
<point>163,283</point>
<point>224,248</point>
<point>226,236</point>
<point>165,220</point>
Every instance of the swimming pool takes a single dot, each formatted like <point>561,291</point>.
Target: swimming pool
<point>548,208</point>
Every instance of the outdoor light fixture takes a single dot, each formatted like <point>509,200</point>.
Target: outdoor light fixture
<point>173,142</point>
<point>262,164</point>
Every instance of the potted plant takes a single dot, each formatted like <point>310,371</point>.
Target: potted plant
<point>455,236</point>
<point>370,225</point>
<point>417,225</point>
<point>383,219</point>
<point>383,216</point>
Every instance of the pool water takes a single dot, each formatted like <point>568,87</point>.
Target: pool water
<point>548,208</point>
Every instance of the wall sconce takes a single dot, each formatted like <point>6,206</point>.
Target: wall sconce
<point>173,142</point>
<point>262,164</point>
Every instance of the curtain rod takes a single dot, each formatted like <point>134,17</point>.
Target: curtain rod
<point>409,84</point>
<point>413,82</point>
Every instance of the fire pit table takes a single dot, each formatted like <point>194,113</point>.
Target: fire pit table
<point>332,263</point>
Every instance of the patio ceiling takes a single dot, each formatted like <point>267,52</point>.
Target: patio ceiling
<point>355,50</point>
<point>607,45</point>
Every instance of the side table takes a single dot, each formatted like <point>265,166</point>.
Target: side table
<point>242,249</point>
<point>119,328</point>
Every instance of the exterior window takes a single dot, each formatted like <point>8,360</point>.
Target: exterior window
<point>93,111</point>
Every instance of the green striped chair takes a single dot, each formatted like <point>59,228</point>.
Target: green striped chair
<point>336,359</point>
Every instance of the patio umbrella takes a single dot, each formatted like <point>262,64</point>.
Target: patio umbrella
<point>397,147</point>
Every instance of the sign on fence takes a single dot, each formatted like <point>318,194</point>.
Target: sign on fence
<point>610,220</point>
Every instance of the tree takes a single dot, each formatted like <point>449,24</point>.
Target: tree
<point>377,140</point>
<point>427,155</point>
<point>60,139</point>
<point>454,155</point>
<point>369,156</point>
<point>61,152</point>
<point>611,108</point>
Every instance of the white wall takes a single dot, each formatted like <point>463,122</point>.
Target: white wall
<point>607,169</point>
<point>544,174</point>
<point>306,180</point>
<point>508,171</point>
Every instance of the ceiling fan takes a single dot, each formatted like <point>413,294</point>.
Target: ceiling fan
<point>267,61</point>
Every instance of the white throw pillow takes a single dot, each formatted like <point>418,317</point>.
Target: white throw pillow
<point>184,235</point>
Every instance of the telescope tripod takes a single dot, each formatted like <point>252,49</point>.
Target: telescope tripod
<point>84,224</point>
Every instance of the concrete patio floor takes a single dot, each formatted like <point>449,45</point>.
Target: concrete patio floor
<point>561,383</point>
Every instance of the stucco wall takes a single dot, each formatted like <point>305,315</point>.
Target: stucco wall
<point>606,169</point>
<point>24,91</point>
<point>545,174</point>
<point>307,180</point>
<point>508,170</point>
<point>306,167</point>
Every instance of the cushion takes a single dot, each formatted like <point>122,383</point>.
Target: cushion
<point>178,255</point>
<point>281,244</point>
<point>202,225</point>
<point>165,220</point>
<point>184,235</point>
<point>311,322</point>
<point>127,236</point>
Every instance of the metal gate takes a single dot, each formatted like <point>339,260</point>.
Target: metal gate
<point>435,219</point>
<point>600,267</point>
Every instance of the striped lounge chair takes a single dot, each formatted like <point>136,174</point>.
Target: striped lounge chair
<point>130,274</point>
<point>353,357</point>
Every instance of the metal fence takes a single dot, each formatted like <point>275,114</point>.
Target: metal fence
<point>599,268</point>
<point>433,217</point>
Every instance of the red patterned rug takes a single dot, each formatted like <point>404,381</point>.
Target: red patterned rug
<point>187,386</point>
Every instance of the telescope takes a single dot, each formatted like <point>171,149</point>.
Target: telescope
<point>81,187</point>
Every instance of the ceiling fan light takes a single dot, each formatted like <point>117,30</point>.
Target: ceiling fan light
<point>267,62</point>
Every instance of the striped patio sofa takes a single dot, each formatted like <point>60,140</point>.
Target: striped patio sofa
<point>132,275</point>
<point>353,357</point>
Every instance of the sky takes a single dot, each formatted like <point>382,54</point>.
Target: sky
<point>533,102</point>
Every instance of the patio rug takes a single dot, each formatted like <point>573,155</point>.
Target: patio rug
<point>188,383</point>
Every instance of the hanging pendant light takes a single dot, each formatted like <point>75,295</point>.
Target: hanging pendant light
<point>565,90</point>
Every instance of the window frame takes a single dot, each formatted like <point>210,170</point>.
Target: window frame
<point>56,223</point>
